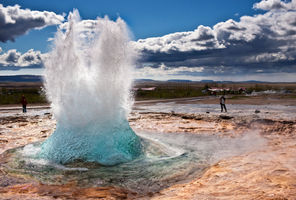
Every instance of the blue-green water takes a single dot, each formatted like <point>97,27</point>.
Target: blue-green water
<point>107,144</point>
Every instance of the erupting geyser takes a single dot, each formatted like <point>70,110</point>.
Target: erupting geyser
<point>88,77</point>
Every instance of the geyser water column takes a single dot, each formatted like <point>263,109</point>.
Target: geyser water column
<point>88,77</point>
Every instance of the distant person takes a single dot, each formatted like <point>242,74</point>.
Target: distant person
<point>24,103</point>
<point>222,103</point>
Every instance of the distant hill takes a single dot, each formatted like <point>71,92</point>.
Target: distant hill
<point>21,78</point>
<point>179,80</point>
<point>253,81</point>
<point>212,81</point>
<point>143,80</point>
<point>207,81</point>
<point>36,78</point>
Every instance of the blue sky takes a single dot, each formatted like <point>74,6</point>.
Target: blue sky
<point>145,18</point>
<point>220,20</point>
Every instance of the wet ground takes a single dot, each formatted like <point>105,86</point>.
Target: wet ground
<point>255,149</point>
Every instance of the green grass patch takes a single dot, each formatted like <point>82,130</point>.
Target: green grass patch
<point>162,93</point>
<point>13,96</point>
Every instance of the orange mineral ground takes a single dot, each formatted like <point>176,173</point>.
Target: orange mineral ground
<point>265,171</point>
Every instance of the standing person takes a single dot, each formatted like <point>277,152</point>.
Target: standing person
<point>222,103</point>
<point>24,103</point>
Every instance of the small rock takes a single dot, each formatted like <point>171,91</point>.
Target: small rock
<point>225,117</point>
<point>257,111</point>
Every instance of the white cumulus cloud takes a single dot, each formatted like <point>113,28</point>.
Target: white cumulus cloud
<point>260,42</point>
<point>275,5</point>
<point>13,58</point>
<point>15,21</point>
<point>201,38</point>
<point>162,71</point>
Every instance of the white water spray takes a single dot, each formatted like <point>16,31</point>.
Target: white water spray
<point>88,78</point>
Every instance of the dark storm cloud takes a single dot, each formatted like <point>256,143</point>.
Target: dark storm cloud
<point>260,43</point>
<point>15,21</point>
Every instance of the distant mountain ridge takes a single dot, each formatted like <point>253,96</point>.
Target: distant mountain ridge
<point>37,78</point>
<point>21,78</point>
<point>179,80</point>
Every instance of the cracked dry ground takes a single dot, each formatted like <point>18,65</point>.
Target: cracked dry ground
<point>268,172</point>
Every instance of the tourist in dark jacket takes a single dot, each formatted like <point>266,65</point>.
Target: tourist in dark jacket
<point>222,103</point>
<point>24,103</point>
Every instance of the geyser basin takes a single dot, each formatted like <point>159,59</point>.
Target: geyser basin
<point>88,77</point>
<point>166,159</point>
<point>159,166</point>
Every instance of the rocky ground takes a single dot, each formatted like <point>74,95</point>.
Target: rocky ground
<point>267,172</point>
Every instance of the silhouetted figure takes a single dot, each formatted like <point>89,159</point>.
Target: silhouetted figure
<point>222,103</point>
<point>24,103</point>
